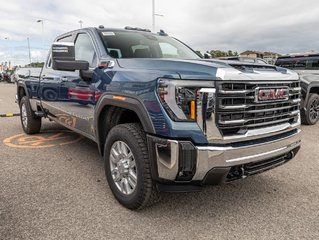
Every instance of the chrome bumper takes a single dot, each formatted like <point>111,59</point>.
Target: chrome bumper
<point>210,157</point>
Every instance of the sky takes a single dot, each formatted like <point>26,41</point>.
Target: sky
<point>283,26</point>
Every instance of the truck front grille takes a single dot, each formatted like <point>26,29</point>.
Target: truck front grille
<point>237,110</point>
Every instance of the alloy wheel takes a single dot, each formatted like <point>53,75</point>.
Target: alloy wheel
<point>123,167</point>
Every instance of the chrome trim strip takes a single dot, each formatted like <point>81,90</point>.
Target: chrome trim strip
<point>168,168</point>
<point>296,89</point>
<point>233,121</point>
<point>268,109</point>
<point>231,107</point>
<point>207,124</point>
<point>235,91</point>
<point>268,117</point>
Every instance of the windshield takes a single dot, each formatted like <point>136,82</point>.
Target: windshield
<point>123,44</point>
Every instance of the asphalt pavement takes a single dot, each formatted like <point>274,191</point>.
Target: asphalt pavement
<point>52,186</point>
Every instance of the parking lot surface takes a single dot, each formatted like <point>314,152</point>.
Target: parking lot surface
<point>52,186</point>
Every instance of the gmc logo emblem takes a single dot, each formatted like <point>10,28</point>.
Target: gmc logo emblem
<point>271,94</point>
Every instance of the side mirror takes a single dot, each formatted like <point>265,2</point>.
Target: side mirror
<point>63,57</point>
<point>207,55</point>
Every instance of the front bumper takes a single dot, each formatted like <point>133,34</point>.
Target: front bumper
<point>182,162</point>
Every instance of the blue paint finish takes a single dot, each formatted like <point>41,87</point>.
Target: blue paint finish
<point>142,84</point>
<point>64,93</point>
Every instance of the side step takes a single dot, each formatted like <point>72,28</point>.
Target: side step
<point>39,114</point>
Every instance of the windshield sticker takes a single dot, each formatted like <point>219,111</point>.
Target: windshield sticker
<point>108,33</point>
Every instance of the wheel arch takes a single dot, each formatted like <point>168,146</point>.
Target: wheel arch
<point>314,89</point>
<point>21,92</point>
<point>118,109</point>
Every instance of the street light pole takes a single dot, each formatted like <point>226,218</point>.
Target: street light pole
<point>42,25</point>
<point>154,15</point>
<point>9,52</point>
<point>29,50</point>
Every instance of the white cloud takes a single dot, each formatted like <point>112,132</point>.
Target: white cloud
<point>282,26</point>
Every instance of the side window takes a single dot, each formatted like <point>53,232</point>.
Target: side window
<point>84,49</point>
<point>313,64</point>
<point>115,52</point>
<point>285,63</point>
<point>65,39</point>
<point>68,38</point>
<point>300,64</point>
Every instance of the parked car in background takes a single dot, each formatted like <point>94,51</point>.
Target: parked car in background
<point>4,77</point>
<point>22,73</point>
<point>307,66</point>
<point>244,59</point>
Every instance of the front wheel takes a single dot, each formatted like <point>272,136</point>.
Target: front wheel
<point>127,166</point>
<point>31,124</point>
<point>311,115</point>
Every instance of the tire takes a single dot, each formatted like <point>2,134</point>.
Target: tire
<point>311,115</point>
<point>132,137</point>
<point>31,124</point>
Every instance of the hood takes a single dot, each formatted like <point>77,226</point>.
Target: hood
<point>186,69</point>
<point>211,69</point>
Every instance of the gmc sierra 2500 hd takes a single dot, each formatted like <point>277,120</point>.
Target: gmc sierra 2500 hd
<point>163,118</point>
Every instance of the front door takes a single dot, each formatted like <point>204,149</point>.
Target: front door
<point>69,98</point>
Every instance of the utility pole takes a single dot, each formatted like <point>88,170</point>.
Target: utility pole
<point>80,23</point>
<point>29,50</point>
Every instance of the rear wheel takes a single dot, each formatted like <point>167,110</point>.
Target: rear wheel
<point>31,124</point>
<point>127,166</point>
<point>311,115</point>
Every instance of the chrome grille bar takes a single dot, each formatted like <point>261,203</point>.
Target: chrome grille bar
<point>238,110</point>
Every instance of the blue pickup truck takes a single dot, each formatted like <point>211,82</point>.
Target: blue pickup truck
<point>164,119</point>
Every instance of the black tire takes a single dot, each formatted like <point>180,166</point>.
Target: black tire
<point>32,124</point>
<point>311,115</point>
<point>145,192</point>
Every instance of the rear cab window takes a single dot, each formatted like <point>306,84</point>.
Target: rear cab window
<point>308,62</point>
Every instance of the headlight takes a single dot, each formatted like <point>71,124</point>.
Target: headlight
<point>180,98</point>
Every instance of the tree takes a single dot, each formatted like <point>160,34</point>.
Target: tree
<point>35,64</point>
<point>219,53</point>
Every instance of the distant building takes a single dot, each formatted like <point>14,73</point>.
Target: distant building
<point>269,57</point>
<point>5,66</point>
<point>252,54</point>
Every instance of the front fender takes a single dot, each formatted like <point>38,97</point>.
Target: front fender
<point>124,101</point>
